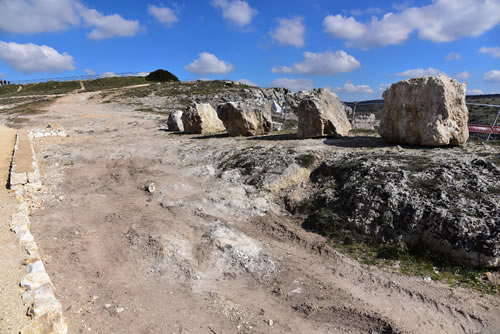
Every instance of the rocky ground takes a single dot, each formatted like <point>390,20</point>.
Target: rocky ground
<point>148,231</point>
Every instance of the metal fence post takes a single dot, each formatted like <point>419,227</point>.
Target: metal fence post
<point>493,125</point>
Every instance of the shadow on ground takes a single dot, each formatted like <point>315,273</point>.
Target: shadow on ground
<point>281,136</point>
<point>215,136</point>
<point>358,141</point>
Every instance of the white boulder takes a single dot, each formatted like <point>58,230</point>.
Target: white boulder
<point>429,111</point>
<point>321,113</point>
<point>246,119</point>
<point>201,119</point>
<point>174,121</point>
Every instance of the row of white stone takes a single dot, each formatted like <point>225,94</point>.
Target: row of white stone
<point>45,310</point>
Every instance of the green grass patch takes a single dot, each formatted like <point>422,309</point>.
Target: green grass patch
<point>115,82</point>
<point>8,90</point>
<point>413,262</point>
<point>416,261</point>
<point>49,88</point>
<point>33,107</point>
<point>305,160</point>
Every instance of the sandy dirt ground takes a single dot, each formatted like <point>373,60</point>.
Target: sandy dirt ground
<point>12,309</point>
<point>198,253</point>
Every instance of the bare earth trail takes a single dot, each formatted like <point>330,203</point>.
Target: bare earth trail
<point>202,253</point>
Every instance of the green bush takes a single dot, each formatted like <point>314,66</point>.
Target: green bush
<point>161,76</point>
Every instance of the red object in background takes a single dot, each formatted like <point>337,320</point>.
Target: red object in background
<point>494,130</point>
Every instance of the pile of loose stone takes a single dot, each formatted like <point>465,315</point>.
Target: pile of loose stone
<point>428,111</point>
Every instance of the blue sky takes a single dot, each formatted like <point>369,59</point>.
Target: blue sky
<point>356,48</point>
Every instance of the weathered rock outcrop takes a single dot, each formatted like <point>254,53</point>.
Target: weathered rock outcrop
<point>321,113</point>
<point>444,205</point>
<point>245,119</point>
<point>174,121</point>
<point>428,111</point>
<point>201,119</point>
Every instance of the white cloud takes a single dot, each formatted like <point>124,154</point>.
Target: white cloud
<point>108,75</point>
<point>475,92</point>
<point>142,74</point>
<point>290,32</point>
<point>163,14</point>
<point>247,82</point>
<point>494,52</point>
<point>341,27</point>
<point>420,72</point>
<point>463,75</point>
<point>350,88</point>
<point>208,63</point>
<point>492,76</point>
<point>89,71</point>
<point>236,11</point>
<point>32,58</point>
<point>293,84</point>
<point>453,56</point>
<point>441,21</point>
<point>107,26</point>
<point>367,11</point>
<point>325,63</point>
<point>35,16</point>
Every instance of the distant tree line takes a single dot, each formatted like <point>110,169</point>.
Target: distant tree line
<point>4,82</point>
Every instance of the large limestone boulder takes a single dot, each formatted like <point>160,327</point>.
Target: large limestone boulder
<point>201,119</point>
<point>174,121</point>
<point>428,111</point>
<point>321,113</point>
<point>246,119</point>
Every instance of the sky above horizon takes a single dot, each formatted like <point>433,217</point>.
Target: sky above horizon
<point>355,48</point>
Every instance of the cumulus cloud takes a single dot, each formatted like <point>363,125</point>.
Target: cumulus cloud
<point>492,76</point>
<point>351,88</point>
<point>325,63</point>
<point>107,26</point>
<point>420,72</point>
<point>142,74</point>
<point>35,16</point>
<point>236,11</point>
<point>475,92</point>
<point>89,71</point>
<point>290,32</point>
<point>208,63</point>
<point>293,84</point>
<point>32,58</point>
<point>441,21</point>
<point>453,56</point>
<point>463,75</point>
<point>494,51</point>
<point>247,82</point>
<point>163,14</point>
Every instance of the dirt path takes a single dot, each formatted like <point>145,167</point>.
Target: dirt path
<point>12,309</point>
<point>200,253</point>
